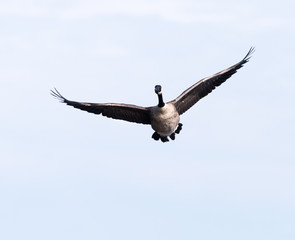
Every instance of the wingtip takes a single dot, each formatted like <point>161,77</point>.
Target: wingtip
<point>55,93</point>
<point>249,54</point>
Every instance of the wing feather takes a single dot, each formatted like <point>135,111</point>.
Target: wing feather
<point>203,87</point>
<point>127,112</point>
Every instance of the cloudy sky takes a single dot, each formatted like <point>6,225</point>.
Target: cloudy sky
<point>67,174</point>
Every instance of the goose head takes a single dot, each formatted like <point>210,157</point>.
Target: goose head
<point>158,89</point>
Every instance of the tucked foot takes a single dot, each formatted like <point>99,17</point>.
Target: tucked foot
<point>156,136</point>
<point>164,139</point>
<point>179,128</point>
<point>172,136</point>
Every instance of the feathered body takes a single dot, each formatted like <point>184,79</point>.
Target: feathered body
<point>165,119</point>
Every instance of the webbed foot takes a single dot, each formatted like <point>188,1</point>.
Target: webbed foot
<point>179,128</point>
<point>156,136</point>
<point>164,139</point>
<point>172,136</point>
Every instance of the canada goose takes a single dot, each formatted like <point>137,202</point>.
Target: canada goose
<point>163,118</point>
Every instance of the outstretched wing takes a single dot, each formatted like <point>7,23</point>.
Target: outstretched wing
<point>199,90</point>
<point>130,113</point>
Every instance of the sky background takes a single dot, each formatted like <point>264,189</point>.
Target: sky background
<point>68,174</point>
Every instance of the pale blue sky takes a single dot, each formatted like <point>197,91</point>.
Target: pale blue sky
<point>67,174</point>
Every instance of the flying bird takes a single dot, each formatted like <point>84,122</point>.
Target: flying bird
<point>163,118</point>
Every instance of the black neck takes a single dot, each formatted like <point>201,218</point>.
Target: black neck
<point>161,102</point>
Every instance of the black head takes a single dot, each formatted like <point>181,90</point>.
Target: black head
<point>158,89</point>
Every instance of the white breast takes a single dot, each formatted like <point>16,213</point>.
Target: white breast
<point>165,120</point>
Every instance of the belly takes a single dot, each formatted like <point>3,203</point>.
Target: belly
<point>165,120</point>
